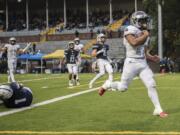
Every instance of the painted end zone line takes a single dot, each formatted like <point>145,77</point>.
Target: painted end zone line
<point>91,133</point>
<point>45,102</point>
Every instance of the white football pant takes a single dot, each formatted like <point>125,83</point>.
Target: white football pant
<point>72,69</point>
<point>104,66</point>
<point>138,67</point>
<point>12,68</point>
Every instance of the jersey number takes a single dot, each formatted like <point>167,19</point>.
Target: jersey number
<point>72,59</point>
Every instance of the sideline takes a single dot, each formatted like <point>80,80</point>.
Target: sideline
<point>91,132</point>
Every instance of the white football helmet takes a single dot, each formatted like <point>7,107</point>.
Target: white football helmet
<point>5,92</point>
<point>77,41</point>
<point>100,36</point>
<point>12,40</point>
<point>71,45</point>
<point>140,20</point>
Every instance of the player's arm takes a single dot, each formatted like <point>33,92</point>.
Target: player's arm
<point>25,49</point>
<point>77,58</point>
<point>3,49</point>
<point>154,58</point>
<point>135,41</point>
<point>95,52</point>
<point>64,60</point>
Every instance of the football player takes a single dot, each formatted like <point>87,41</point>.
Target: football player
<point>71,58</point>
<point>100,51</point>
<point>12,50</point>
<point>15,95</point>
<point>80,48</point>
<point>136,39</point>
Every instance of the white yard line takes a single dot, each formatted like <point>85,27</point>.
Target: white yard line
<point>39,79</point>
<point>46,102</point>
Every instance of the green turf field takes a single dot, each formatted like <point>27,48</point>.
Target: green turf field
<point>114,113</point>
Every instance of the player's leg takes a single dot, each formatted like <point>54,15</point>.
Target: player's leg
<point>146,76</point>
<point>109,70</point>
<point>130,70</point>
<point>70,71</point>
<point>78,67</point>
<point>101,67</point>
<point>9,77</point>
<point>75,73</point>
<point>12,68</point>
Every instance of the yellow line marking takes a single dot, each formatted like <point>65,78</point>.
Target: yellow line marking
<point>91,132</point>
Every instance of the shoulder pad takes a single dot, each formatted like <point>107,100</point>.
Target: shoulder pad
<point>130,30</point>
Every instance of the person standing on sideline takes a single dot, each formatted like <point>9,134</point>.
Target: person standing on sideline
<point>13,50</point>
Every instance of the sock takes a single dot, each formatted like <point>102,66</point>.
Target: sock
<point>11,76</point>
<point>154,98</point>
<point>95,78</point>
<point>110,77</point>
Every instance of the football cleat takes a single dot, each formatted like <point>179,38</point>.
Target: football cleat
<point>160,113</point>
<point>101,91</point>
<point>70,84</point>
<point>77,83</point>
<point>163,115</point>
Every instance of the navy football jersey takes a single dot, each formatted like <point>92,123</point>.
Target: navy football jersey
<point>71,56</point>
<point>20,98</point>
<point>105,48</point>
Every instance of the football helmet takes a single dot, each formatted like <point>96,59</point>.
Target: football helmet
<point>71,45</point>
<point>12,40</point>
<point>101,38</point>
<point>5,92</point>
<point>140,20</point>
<point>76,41</point>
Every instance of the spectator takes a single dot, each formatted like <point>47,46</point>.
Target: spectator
<point>76,33</point>
<point>91,33</point>
<point>34,48</point>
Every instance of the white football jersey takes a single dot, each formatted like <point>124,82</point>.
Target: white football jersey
<point>12,51</point>
<point>134,51</point>
<point>78,47</point>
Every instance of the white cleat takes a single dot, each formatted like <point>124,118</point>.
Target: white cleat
<point>70,84</point>
<point>160,113</point>
<point>77,83</point>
